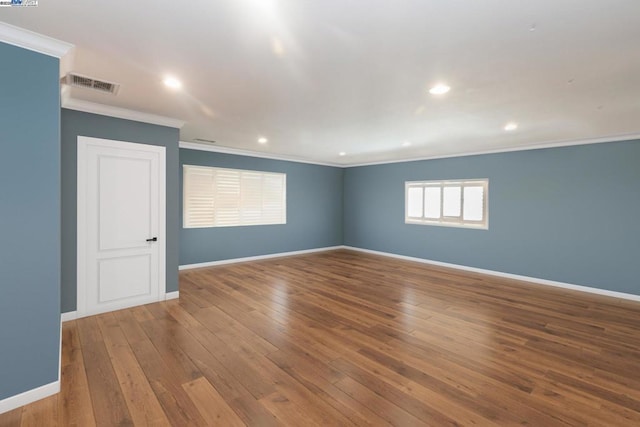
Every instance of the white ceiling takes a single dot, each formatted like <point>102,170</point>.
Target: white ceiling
<point>319,77</point>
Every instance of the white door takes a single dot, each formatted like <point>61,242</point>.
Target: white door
<point>121,225</point>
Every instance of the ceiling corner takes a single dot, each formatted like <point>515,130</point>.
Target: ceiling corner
<point>26,39</point>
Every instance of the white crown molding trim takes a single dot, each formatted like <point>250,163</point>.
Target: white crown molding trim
<point>120,113</point>
<point>540,146</point>
<point>65,94</point>
<point>26,39</point>
<point>172,295</point>
<point>30,396</point>
<point>257,258</point>
<point>249,153</point>
<point>535,280</point>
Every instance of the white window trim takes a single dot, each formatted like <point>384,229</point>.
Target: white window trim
<point>449,221</point>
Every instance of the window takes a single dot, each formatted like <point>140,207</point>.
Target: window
<point>216,197</point>
<point>460,203</point>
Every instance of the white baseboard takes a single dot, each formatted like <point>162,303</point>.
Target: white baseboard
<point>13,402</point>
<point>73,315</point>
<point>69,315</point>
<point>257,258</point>
<point>171,295</point>
<point>536,280</point>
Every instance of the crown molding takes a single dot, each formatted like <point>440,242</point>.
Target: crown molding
<point>120,113</point>
<point>249,153</point>
<point>26,39</point>
<point>541,146</point>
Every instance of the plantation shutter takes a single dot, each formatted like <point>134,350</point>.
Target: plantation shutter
<point>217,197</point>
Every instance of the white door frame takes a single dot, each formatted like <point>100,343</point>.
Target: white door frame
<point>83,143</point>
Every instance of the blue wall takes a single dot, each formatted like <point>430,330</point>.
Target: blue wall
<point>29,220</point>
<point>565,214</point>
<point>74,124</point>
<point>314,212</point>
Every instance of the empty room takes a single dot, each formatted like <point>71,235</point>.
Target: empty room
<point>320,213</point>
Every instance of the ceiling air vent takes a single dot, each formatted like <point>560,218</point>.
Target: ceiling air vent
<point>206,141</point>
<point>78,80</point>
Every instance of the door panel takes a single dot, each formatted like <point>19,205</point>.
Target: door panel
<point>125,205</point>
<point>120,206</point>
<point>124,277</point>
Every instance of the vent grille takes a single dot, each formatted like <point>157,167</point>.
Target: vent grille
<point>206,141</point>
<point>77,80</point>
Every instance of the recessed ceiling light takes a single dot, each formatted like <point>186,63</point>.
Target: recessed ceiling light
<point>263,140</point>
<point>172,82</point>
<point>342,153</point>
<point>439,89</point>
<point>406,143</point>
<point>510,126</point>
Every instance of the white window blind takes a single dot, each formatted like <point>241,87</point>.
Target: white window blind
<point>459,203</point>
<point>217,197</point>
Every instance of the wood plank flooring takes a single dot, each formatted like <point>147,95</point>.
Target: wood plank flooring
<point>344,338</point>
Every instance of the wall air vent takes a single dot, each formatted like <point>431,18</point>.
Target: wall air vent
<point>78,80</point>
<point>205,141</point>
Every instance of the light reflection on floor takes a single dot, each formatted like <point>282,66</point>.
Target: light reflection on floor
<point>279,301</point>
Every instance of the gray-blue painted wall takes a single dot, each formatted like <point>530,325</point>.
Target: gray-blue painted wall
<point>314,212</point>
<point>565,214</point>
<point>74,124</point>
<point>29,220</point>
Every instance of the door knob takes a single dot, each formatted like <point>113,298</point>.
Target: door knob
<point>154,239</point>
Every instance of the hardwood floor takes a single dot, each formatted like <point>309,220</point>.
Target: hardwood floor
<point>344,338</point>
